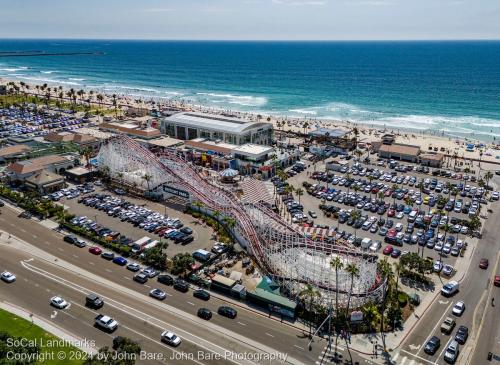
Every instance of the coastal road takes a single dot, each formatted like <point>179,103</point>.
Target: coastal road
<point>473,292</point>
<point>250,324</point>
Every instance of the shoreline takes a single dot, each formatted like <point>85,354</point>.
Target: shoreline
<point>281,123</point>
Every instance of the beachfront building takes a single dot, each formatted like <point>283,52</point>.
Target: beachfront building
<point>189,126</point>
<point>13,153</point>
<point>432,159</point>
<point>81,140</point>
<point>401,152</point>
<point>45,182</point>
<point>21,170</point>
<point>337,140</point>
<point>131,128</point>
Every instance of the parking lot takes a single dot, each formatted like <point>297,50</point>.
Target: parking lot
<point>156,214</point>
<point>390,209</point>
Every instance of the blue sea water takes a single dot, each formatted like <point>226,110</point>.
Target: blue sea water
<point>450,87</point>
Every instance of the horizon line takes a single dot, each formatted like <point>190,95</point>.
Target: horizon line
<point>255,40</point>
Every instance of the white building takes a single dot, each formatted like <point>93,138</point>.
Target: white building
<point>188,126</point>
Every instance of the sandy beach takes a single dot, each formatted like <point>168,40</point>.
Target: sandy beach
<point>367,134</point>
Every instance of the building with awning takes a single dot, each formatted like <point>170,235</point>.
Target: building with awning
<point>45,182</point>
<point>274,302</point>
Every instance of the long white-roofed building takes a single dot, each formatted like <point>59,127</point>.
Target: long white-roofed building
<point>190,125</point>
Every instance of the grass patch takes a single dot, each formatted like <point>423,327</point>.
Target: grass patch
<point>18,327</point>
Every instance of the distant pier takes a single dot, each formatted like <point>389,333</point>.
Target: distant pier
<point>41,53</point>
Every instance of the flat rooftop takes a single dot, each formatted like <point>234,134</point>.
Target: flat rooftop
<point>253,149</point>
<point>215,122</point>
<point>401,149</point>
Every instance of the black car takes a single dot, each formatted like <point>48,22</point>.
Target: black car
<point>205,313</point>
<point>227,312</point>
<point>25,214</point>
<point>462,335</point>
<point>201,294</point>
<point>432,345</point>
<point>165,279</point>
<point>181,286</point>
<point>94,301</point>
<point>186,230</point>
<point>1,203</point>
<point>108,255</point>
<point>70,239</point>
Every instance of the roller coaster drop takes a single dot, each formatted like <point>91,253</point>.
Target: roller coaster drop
<point>282,253</point>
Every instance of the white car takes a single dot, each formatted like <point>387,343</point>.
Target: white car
<point>58,302</point>
<point>375,246</point>
<point>8,277</point>
<point>170,338</point>
<point>448,270</point>
<point>458,308</point>
<point>158,294</point>
<point>438,266</point>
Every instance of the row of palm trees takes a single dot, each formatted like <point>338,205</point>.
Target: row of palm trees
<point>371,312</point>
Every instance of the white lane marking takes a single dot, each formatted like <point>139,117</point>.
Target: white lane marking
<point>301,348</point>
<point>168,295</point>
<point>190,303</point>
<point>395,357</point>
<point>91,263</point>
<point>29,260</point>
<point>147,286</point>
<point>243,324</point>
<point>47,290</point>
<point>403,361</point>
<point>75,256</point>
<point>129,310</point>
<point>126,277</point>
<point>53,315</point>
<point>269,334</point>
<point>22,230</point>
<point>47,242</point>
<point>34,236</point>
<point>438,323</point>
<point>421,358</point>
<point>60,249</point>
<point>108,270</point>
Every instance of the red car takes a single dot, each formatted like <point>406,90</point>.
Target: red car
<point>497,281</point>
<point>388,250</point>
<point>391,213</point>
<point>483,264</point>
<point>95,250</point>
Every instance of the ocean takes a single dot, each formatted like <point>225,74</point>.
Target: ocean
<point>448,87</point>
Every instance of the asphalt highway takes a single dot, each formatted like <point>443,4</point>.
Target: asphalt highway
<point>141,318</point>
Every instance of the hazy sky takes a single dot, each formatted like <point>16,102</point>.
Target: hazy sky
<point>251,19</point>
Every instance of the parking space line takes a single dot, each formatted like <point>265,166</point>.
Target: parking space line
<point>22,230</point>
<point>147,286</point>
<point>190,303</point>
<point>269,334</point>
<point>47,242</point>
<point>75,256</point>
<point>35,236</point>
<point>60,249</point>
<point>301,348</point>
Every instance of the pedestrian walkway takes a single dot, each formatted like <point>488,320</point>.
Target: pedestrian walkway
<point>405,360</point>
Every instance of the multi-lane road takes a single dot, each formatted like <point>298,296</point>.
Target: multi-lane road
<point>45,266</point>
<point>475,290</point>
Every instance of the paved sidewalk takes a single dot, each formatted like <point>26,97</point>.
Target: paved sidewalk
<point>84,345</point>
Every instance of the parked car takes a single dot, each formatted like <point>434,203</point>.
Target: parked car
<point>432,345</point>
<point>201,294</point>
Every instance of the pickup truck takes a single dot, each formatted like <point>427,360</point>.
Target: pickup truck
<point>106,323</point>
<point>447,325</point>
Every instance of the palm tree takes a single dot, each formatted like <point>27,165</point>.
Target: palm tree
<point>309,292</point>
<point>353,271</point>
<point>336,264</point>
<point>487,177</point>
<point>394,188</point>
<point>386,273</point>
<point>115,105</point>
<point>370,314</point>
<point>299,193</point>
<point>355,216</point>
<point>147,178</point>
<point>381,196</point>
